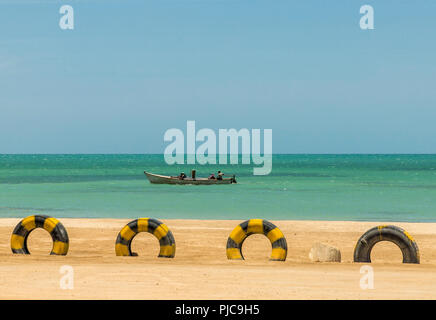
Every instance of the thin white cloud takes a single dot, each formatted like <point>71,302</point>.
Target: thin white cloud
<point>7,62</point>
<point>29,2</point>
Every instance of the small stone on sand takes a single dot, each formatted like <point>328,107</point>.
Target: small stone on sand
<point>321,252</point>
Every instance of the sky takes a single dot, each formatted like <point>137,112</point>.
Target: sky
<point>131,69</point>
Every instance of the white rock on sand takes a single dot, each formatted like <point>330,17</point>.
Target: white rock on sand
<point>321,252</point>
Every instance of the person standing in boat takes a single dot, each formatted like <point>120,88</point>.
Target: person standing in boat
<point>220,175</point>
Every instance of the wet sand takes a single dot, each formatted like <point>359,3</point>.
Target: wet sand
<point>201,270</point>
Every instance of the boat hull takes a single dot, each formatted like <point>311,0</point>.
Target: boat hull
<point>159,179</point>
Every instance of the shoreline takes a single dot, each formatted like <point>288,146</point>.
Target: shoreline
<point>381,221</point>
<point>201,258</point>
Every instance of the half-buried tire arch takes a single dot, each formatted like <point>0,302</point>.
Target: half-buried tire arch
<point>257,226</point>
<point>153,226</point>
<point>57,231</point>
<point>406,243</point>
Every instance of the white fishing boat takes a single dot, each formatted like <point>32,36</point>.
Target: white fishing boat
<point>160,179</point>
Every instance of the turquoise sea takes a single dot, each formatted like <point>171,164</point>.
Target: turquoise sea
<point>321,187</point>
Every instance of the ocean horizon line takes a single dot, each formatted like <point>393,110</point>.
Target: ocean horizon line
<point>239,154</point>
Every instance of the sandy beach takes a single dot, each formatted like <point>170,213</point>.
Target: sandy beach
<point>200,269</point>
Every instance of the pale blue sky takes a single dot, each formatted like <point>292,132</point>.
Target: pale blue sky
<point>132,69</point>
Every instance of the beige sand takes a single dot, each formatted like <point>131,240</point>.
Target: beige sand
<point>201,270</point>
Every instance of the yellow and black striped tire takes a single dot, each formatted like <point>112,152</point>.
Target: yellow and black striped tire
<point>153,226</point>
<point>53,226</point>
<point>257,226</point>
<point>408,246</point>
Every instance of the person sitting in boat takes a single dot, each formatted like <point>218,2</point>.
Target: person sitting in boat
<point>182,176</point>
<point>220,175</point>
<point>212,177</point>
